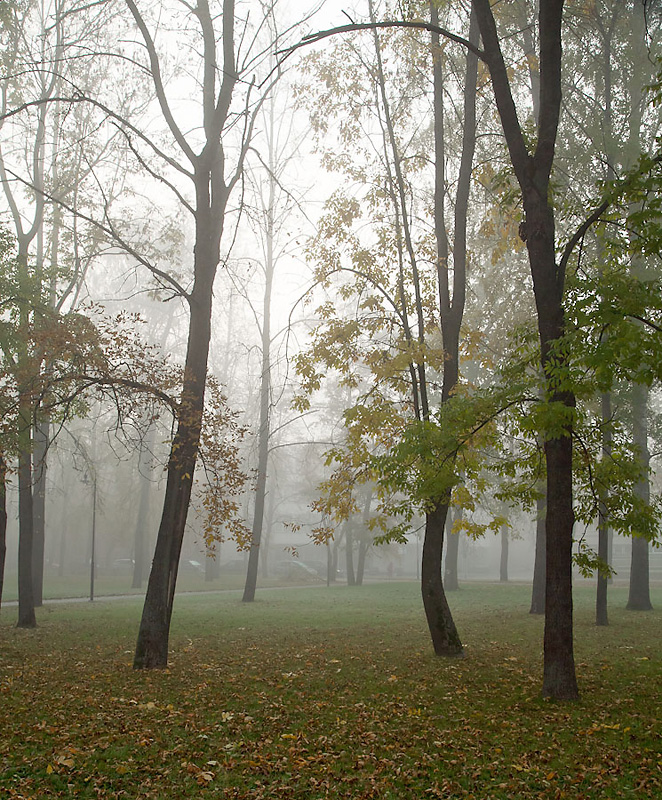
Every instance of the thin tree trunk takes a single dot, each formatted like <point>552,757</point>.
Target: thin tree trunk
<point>26,607</point>
<point>601,615</point>
<point>41,436</point>
<point>360,562</point>
<point>451,579</point>
<point>265,408</point>
<point>349,554</point>
<point>639,598</point>
<point>364,539</point>
<point>503,561</point>
<point>265,377</point>
<point>3,522</point>
<point>445,638</point>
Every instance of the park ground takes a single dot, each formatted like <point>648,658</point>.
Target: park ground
<point>329,693</point>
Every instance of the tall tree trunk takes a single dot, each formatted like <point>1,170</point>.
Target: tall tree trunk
<point>41,436</point>
<point>539,565</point>
<point>3,522</point>
<point>601,615</point>
<point>533,174</point>
<point>639,595</point>
<point>265,408</point>
<point>153,635</point>
<point>445,638</point>
<point>211,197</point>
<point>26,607</point>
<point>265,377</point>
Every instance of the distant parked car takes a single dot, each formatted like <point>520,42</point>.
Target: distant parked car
<point>321,567</point>
<point>190,565</point>
<point>295,570</point>
<point>235,567</point>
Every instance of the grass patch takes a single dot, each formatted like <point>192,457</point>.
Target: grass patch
<point>328,693</point>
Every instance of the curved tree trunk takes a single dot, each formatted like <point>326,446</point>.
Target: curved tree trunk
<point>153,636</point>
<point>211,196</point>
<point>445,638</point>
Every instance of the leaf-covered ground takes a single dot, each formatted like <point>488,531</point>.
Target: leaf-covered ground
<point>328,693</point>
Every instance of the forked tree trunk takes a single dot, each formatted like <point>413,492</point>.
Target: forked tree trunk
<point>533,174</point>
<point>211,196</point>
<point>444,635</point>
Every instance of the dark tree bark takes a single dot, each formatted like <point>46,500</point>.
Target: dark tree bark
<point>539,566</point>
<point>445,638</point>
<point>538,231</point>
<point>211,195</point>
<point>639,598</point>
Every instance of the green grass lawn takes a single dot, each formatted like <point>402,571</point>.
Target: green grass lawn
<point>328,693</point>
<point>56,587</point>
